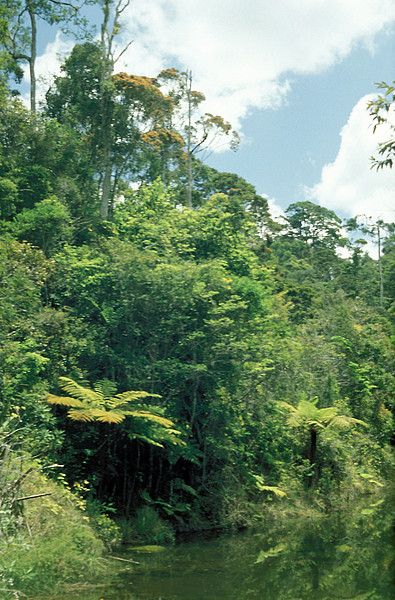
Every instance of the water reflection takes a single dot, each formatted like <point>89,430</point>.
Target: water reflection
<point>345,556</point>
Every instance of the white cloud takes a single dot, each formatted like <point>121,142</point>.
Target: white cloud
<point>275,209</point>
<point>348,185</point>
<point>48,65</point>
<point>242,53</point>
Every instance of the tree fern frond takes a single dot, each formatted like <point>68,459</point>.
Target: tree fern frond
<point>81,415</point>
<point>110,416</point>
<point>64,401</point>
<point>131,395</point>
<point>308,409</point>
<point>286,405</point>
<point>344,421</point>
<point>271,488</point>
<point>99,404</point>
<point>76,390</point>
<point>294,419</point>
<point>327,414</point>
<point>146,414</point>
<point>146,439</point>
<point>105,388</point>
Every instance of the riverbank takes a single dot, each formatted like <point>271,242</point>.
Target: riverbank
<point>60,543</point>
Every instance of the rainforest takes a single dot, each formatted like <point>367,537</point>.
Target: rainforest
<point>173,359</point>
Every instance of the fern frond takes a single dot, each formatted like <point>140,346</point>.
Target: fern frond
<point>146,439</point>
<point>327,414</point>
<point>294,419</point>
<point>77,391</point>
<point>271,488</point>
<point>286,405</point>
<point>63,401</point>
<point>344,421</point>
<point>130,396</point>
<point>81,415</point>
<point>111,417</point>
<point>308,409</point>
<point>146,414</point>
<point>105,388</point>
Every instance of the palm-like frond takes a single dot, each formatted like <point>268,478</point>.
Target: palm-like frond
<point>105,388</point>
<point>344,421</point>
<point>81,414</point>
<point>306,413</point>
<point>64,401</point>
<point>100,404</point>
<point>326,415</point>
<point>146,414</point>
<point>146,439</point>
<point>130,396</point>
<point>77,391</point>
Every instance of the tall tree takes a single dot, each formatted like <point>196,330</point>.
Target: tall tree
<point>200,130</point>
<point>314,224</point>
<point>123,119</point>
<point>109,30</point>
<point>20,41</point>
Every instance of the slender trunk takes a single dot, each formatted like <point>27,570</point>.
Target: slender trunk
<point>106,188</point>
<point>313,450</point>
<point>105,84</point>
<point>32,58</point>
<point>193,409</point>
<point>380,267</point>
<point>189,141</point>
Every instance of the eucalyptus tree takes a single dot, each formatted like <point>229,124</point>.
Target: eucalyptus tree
<point>123,124</point>
<point>201,131</point>
<point>20,39</point>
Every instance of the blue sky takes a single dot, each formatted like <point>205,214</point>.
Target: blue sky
<point>292,76</point>
<point>288,146</point>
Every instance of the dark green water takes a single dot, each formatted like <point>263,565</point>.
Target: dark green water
<point>345,556</point>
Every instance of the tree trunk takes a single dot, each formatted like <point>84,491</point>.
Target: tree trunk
<point>189,141</point>
<point>32,58</point>
<point>313,450</point>
<point>105,106</point>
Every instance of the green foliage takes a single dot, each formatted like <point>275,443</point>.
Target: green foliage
<point>222,315</point>
<point>103,405</point>
<point>58,546</point>
<point>147,527</point>
<point>378,110</point>
<point>307,414</point>
<point>47,225</point>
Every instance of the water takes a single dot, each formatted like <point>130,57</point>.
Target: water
<point>345,556</point>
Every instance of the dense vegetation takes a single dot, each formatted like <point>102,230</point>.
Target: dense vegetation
<point>178,356</point>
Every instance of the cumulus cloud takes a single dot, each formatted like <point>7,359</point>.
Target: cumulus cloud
<point>275,209</point>
<point>243,54</point>
<point>348,185</point>
<point>48,64</point>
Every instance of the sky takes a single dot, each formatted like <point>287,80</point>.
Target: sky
<point>292,76</point>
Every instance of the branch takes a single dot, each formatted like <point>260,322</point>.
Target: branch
<point>200,143</point>
<point>134,562</point>
<point>59,3</point>
<point>123,51</point>
<point>34,496</point>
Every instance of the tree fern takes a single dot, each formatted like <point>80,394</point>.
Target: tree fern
<point>307,416</point>
<point>103,404</point>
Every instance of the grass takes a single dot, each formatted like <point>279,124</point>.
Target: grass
<point>54,545</point>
